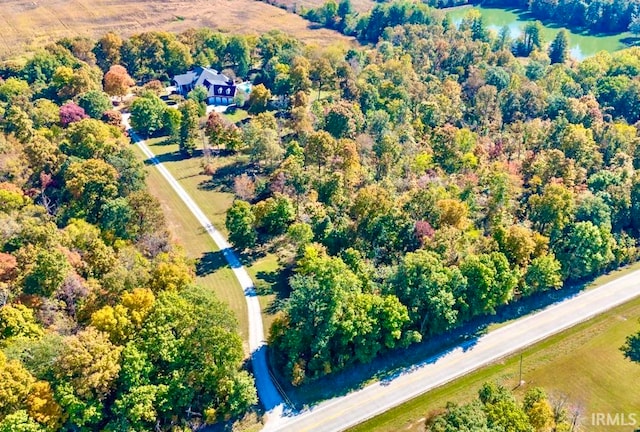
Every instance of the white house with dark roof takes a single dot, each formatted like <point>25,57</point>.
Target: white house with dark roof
<point>220,89</point>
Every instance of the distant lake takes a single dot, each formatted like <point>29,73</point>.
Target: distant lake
<point>582,45</point>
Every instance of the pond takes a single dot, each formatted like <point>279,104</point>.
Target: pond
<point>582,45</point>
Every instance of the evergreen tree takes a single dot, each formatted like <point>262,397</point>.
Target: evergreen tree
<point>559,49</point>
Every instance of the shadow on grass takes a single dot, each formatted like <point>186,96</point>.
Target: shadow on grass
<point>222,180</point>
<point>209,263</point>
<point>398,362</point>
<point>174,157</point>
<point>630,41</point>
<point>274,282</point>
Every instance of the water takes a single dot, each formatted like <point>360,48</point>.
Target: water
<point>581,45</point>
<point>245,87</point>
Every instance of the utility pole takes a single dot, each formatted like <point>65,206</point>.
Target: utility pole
<point>520,382</point>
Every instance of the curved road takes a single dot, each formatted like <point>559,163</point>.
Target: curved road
<point>269,396</point>
<point>343,412</point>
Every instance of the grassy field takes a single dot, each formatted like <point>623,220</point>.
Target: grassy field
<point>32,24</point>
<point>213,273</point>
<point>214,198</point>
<point>583,363</point>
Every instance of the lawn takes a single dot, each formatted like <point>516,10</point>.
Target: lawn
<point>583,363</point>
<point>213,195</point>
<point>237,115</point>
<point>29,24</point>
<point>213,272</point>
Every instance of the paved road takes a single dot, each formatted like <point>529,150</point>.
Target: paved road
<point>343,412</point>
<point>269,396</point>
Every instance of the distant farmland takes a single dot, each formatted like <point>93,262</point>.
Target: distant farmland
<point>31,24</point>
<point>358,5</point>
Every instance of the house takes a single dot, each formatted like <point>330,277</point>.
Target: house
<point>220,89</point>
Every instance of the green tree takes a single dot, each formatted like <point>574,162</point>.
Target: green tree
<point>460,418</point>
<point>343,120</point>
<point>91,183</point>
<point>585,250</point>
<point>107,50</point>
<point>18,321</point>
<point>19,421</point>
<point>542,274</point>
<point>533,36</point>
<point>238,52</point>
<point>428,288</point>
<point>189,127</point>
<point>147,114</point>
<point>90,138</point>
<point>490,282</point>
<point>559,48</point>
<point>263,142</point>
<point>171,124</point>
<point>240,223</point>
<point>274,214</point>
<point>94,103</point>
<point>44,271</point>
<point>194,338</point>
<point>319,148</point>
<point>553,209</point>
<point>259,99</point>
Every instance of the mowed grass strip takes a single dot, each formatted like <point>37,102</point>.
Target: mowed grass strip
<point>213,271</point>
<point>583,363</point>
<point>212,196</point>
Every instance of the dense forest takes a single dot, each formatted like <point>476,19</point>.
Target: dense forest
<point>598,16</point>
<point>440,179</point>
<point>101,325</point>
<point>406,187</point>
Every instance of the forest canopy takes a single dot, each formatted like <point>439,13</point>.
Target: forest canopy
<point>406,186</point>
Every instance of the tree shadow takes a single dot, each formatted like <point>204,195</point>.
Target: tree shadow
<point>275,282</point>
<point>222,180</point>
<point>395,363</point>
<point>174,157</point>
<point>210,262</point>
<point>631,40</point>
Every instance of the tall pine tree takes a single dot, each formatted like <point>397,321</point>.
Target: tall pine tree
<point>559,49</point>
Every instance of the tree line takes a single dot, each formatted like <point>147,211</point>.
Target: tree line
<point>599,16</point>
<point>497,409</point>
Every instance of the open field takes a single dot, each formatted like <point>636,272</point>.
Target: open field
<point>583,363</point>
<point>31,24</point>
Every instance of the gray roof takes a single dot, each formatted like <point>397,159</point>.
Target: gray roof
<point>185,78</point>
<point>216,83</point>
